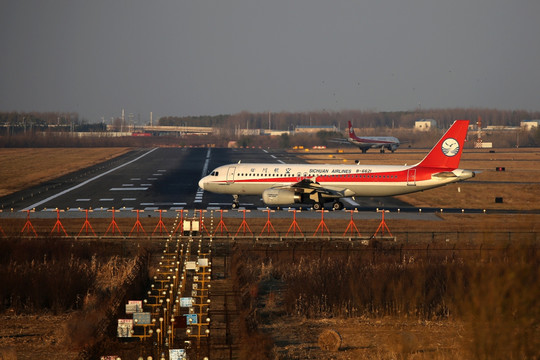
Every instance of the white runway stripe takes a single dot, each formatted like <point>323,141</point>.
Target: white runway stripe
<point>200,192</point>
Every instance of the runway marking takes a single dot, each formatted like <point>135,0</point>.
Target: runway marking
<point>107,199</point>
<point>151,208</point>
<point>87,181</point>
<point>199,193</point>
<point>129,199</point>
<point>157,175</point>
<point>151,179</point>
<point>135,179</point>
<point>146,184</point>
<point>80,200</point>
<point>127,185</point>
<point>129,189</point>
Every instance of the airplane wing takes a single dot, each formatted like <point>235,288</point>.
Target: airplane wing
<point>340,141</point>
<point>309,185</point>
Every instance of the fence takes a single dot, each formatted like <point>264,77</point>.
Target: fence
<point>238,227</point>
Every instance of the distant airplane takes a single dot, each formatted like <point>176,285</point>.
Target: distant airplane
<point>371,142</point>
<point>316,184</point>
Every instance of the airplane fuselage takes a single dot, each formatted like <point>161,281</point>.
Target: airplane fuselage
<point>351,180</point>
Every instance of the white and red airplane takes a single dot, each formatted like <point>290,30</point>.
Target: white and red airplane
<point>371,142</point>
<point>284,184</point>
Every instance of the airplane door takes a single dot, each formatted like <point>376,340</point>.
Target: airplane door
<point>230,174</point>
<point>411,177</point>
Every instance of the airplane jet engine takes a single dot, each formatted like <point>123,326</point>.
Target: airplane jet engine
<point>280,197</point>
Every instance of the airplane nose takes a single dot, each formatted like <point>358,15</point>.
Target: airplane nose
<point>201,183</point>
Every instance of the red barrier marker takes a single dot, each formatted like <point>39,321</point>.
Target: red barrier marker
<point>113,225</point>
<point>352,226</point>
<point>244,224</point>
<point>268,224</point>
<point>294,225</point>
<point>86,225</point>
<point>138,226</point>
<point>221,225</point>
<point>28,227</point>
<point>58,225</point>
<point>322,225</point>
<point>160,225</point>
<point>382,225</point>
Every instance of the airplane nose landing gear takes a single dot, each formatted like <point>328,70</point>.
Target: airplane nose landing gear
<point>236,203</point>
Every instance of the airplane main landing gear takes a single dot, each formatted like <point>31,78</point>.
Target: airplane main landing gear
<point>318,206</point>
<point>236,203</point>
<point>337,205</point>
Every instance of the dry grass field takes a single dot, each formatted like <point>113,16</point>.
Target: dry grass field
<point>24,167</point>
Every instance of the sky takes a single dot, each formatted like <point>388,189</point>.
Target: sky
<point>211,57</point>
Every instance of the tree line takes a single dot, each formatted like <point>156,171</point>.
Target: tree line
<point>360,119</point>
<point>14,123</point>
<point>288,120</point>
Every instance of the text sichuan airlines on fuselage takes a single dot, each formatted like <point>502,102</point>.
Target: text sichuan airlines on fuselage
<point>283,184</point>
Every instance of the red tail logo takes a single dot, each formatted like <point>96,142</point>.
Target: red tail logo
<point>351,131</point>
<point>447,152</point>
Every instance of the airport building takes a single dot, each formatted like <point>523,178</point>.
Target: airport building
<point>425,124</point>
<point>530,124</point>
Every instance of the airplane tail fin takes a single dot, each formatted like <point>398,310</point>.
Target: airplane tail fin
<point>447,152</point>
<point>351,131</point>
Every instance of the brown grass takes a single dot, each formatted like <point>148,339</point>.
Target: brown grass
<point>24,167</point>
<point>444,305</point>
<point>55,295</point>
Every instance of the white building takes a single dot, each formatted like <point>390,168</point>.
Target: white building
<point>530,124</point>
<point>315,129</point>
<point>425,124</point>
